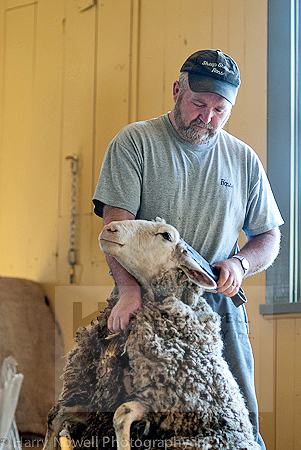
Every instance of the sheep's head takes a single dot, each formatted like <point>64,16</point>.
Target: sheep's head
<point>149,249</point>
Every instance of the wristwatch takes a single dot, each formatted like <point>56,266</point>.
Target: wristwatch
<point>244,263</point>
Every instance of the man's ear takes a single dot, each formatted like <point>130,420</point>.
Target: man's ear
<point>195,273</point>
<point>175,90</point>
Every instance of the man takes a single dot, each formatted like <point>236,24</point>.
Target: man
<point>184,167</point>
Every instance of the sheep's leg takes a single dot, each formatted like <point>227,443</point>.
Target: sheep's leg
<point>124,416</point>
<point>73,414</point>
<point>52,434</point>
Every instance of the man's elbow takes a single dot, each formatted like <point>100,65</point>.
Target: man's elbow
<point>276,235</point>
<point>274,238</point>
<point>275,232</point>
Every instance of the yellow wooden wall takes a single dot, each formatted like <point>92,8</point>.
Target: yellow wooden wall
<point>69,80</point>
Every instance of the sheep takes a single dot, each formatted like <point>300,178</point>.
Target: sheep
<point>180,387</point>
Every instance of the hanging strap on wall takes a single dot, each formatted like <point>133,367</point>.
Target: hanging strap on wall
<point>71,258</point>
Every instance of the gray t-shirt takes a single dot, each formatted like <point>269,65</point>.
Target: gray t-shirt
<point>209,192</point>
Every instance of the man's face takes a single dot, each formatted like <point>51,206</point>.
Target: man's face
<point>198,116</point>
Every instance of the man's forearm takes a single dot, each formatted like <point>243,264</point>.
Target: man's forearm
<point>261,250</point>
<point>129,297</point>
<point>124,280</point>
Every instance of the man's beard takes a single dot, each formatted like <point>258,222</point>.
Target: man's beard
<point>191,132</point>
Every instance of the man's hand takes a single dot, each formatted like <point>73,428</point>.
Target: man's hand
<point>260,250</point>
<point>230,278</point>
<point>128,303</point>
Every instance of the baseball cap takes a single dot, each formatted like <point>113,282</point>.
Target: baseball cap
<point>213,71</point>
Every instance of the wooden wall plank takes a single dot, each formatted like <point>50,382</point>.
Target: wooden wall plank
<point>285,390</point>
<point>2,44</point>
<point>134,60</point>
<point>237,49</point>
<point>151,59</point>
<point>196,26</point>
<point>78,121</point>
<point>263,341</point>
<point>112,74</point>
<point>266,358</point>
<point>297,372</point>
<point>78,104</point>
<point>165,23</point>
<point>44,155</point>
<point>181,39</point>
<point>18,77</point>
<point>220,25</point>
<point>255,78</point>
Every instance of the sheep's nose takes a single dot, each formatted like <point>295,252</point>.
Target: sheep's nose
<point>108,230</point>
<point>111,227</point>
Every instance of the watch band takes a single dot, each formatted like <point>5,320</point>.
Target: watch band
<point>244,263</point>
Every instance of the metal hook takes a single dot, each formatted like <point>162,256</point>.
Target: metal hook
<point>74,163</point>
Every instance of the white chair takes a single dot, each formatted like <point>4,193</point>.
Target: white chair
<point>10,385</point>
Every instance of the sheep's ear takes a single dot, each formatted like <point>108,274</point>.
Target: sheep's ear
<point>196,274</point>
<point>159,220</point>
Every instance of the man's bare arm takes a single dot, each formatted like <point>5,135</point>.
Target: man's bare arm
<point>129,289</point>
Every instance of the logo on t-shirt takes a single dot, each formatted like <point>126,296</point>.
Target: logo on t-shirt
<point>226,183</point>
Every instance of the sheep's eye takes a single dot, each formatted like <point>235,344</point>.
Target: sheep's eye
<point>166,236</point>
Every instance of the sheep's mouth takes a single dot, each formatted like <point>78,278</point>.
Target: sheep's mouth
<point>111,242</point>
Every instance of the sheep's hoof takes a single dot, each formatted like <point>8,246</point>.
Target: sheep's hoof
<point>124,416</point>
